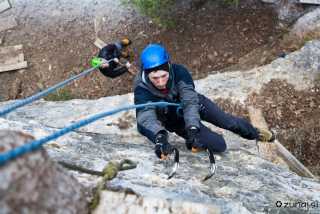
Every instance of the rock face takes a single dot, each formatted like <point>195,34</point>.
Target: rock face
<point>32,183</point>
<point>243,183</point>
<point>118,203</point>
<point>290,10</point>
<point>308,22</point>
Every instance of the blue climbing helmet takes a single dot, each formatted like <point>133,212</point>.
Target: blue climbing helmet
<point>154,56</point>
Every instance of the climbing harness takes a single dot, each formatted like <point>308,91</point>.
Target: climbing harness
<point>175,167</point>
<point>109,172</point>
<point>213,166</point>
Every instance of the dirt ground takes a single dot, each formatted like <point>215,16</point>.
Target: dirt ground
<point>209,37</point>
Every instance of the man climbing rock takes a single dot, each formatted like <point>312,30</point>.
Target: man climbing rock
<point>113,51</point>
<point>162,81</point>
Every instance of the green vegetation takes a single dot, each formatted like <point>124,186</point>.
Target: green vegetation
<point>284,31</point>
<point>299,40</point>
<point>59,95</point>
<point>160,10</point>
<point>236,2</point>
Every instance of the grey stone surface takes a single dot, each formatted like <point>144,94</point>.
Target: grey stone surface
<point>290,10</point>
<point>32,183</point>
<point>308,22</point>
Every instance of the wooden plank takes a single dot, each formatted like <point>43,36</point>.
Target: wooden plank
<point>132,70</point>
<point>310,1</point>
<point>7,23</point>
<point>266,150</point>
<point>295,165</point>
<point>97,24</point>
<point>257,120</point>
<point>19,57</point>
<point>6,49</point>
<point>16,66</point>
<point>4,5</point>
<point>99,43</point>
<point>11,54</point>
<point>14,91</point>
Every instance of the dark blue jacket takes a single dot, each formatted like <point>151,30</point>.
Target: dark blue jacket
<point>181,89</point>
<point>111,52</point>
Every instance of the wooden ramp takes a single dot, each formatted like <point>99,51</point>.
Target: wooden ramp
<point>276,152</point>
<point>12,58</point>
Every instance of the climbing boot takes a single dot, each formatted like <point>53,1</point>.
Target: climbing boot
<point>124,54</point>
<point>266,135</point>
<point>126,41</point>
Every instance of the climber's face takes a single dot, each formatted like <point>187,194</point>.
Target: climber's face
<point>159,78</point>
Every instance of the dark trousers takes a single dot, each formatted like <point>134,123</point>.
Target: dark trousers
<point>215,115</point>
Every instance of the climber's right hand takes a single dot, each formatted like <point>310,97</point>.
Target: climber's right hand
<point>163,147</point>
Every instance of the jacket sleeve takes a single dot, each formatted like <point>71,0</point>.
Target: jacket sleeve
<point>147,122</point>
<point>109,52</point>
<point>189,98</point>
<point>116,53</point>
<point>113,73</point>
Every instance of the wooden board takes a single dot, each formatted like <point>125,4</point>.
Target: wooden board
<point>12,58</point>
<point>99,43</point>
<point>4,5</point>
<point>11,54</point>
<point>7,23</point>
<point>97,24</point>
<point>266,150</point>
<point>257,120</point>
<point>14,91</point>
<point>310,1</point>
<point>15,66</point>
<point>132,70</point>
<point>295,165</point>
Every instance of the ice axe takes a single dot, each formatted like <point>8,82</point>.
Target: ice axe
<point>175,167</point>
<point>213,166</point>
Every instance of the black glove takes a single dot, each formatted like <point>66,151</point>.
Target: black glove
<point>162,146</point>
<point>193,138</point>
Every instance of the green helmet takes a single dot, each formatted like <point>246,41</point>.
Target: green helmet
<point>95,62</point>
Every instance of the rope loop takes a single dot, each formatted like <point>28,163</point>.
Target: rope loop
<point>131,164</point>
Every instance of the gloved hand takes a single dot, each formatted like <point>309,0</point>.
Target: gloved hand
<point>162,146</point>
<point>193,138</point>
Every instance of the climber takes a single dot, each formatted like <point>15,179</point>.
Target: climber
<point>162,81</point>
<point>113,51</point>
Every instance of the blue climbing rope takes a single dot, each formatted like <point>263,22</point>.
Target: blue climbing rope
<point>34,97</point>
<point>4,157</point>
